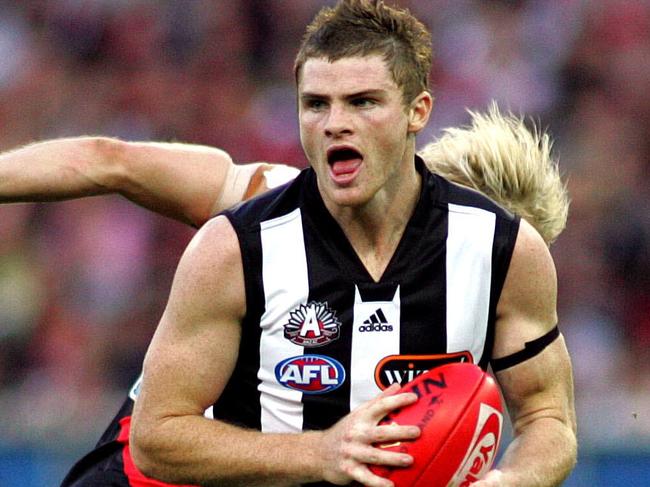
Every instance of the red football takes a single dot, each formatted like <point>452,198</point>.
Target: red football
<point>460,414</point>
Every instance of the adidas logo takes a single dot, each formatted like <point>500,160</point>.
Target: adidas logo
<point>376,322</point>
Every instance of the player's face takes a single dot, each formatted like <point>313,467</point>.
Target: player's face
<point>354,128</point>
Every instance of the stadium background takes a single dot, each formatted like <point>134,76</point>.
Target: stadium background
<point>83,283</point>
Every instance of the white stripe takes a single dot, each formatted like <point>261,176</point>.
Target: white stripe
<point>469,272</point>
<point>286,285</point>
<point>135,388</point>
<point>369,347</point>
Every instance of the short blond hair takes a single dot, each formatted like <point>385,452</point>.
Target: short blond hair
<point>500,157</point>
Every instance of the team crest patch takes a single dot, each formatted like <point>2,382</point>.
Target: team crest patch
<point>312,325</point>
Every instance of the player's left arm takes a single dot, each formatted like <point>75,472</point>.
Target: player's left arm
<point>538,390</point>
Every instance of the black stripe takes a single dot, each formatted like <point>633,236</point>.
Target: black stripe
<point>420,269</point>
<point>532,348</point>
<point>240,401</point>
<point>505,237</point>
<point>327,285</point>
<point>381,315</point>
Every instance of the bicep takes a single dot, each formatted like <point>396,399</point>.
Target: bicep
<point>191,183</point>
<point>540,385</point>
<point>540,388</point>
<point>183,181</point>
<point>195,347</point>
<point>527,305</point>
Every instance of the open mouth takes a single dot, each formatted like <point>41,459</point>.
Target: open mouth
<point>344,163</point>
<point>345,154</point>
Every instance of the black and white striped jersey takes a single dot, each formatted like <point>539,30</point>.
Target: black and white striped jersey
<point>320,336</point>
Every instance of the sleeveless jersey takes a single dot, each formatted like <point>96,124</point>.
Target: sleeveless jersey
<point>320,336</point>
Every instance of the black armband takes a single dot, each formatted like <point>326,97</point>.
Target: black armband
<point>532,348</point>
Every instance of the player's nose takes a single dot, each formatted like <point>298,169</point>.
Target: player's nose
<point>338,122</point>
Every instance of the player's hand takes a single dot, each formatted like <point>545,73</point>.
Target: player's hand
<point>348,446</point>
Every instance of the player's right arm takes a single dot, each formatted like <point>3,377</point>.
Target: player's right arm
<point>184,181</point>
<point>187,366</point>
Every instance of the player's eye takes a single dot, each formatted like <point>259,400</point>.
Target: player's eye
<point>363,102</point>
<point>314,104</point>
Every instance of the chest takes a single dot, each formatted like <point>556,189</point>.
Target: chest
<point>321,309</point>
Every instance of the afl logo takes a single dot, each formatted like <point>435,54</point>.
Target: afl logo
<point>310,374</point>
<point>312,325</point>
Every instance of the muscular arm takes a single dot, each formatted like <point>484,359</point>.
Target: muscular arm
<point>538,391</point>
<point>187,366</point>
<point>187,182</point>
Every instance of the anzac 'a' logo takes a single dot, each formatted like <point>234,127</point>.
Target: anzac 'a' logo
<point>312,325</point>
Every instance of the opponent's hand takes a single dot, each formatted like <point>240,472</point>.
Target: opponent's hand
<point>348,446</point>
<point>494,478</point>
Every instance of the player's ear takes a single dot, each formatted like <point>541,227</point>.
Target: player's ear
<point>419,112</point>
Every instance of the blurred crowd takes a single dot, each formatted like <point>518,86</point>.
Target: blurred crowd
<point>83,283</point>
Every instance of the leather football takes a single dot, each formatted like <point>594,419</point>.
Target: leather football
<point>460,415</point>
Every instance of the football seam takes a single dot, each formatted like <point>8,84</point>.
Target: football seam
<point>453,430</point>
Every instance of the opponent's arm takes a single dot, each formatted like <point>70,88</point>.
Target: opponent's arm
<point>187,366</point>
<point>187,182</point>
<point>539,390</point>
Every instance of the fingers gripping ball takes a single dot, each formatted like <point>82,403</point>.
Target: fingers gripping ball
<point>460,414</point>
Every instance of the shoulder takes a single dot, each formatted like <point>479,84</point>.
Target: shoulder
<point>457,199</point>
<point>211,259</point>
<point>213,248</point>
<point>527,305</point>
<point>459,195</point>
<point>217,233</point>
<point>531,259</point>
<point>468,208</point>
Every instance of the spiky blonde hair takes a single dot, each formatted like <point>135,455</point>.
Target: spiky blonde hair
<point>500,157</point>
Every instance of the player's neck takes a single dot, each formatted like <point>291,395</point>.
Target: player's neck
<point>375,229</point>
